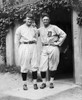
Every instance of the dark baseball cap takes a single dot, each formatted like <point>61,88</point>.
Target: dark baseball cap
<point>45,15</point>
<point>30,15</point>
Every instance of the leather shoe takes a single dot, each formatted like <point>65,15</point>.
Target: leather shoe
<point>25,87</point>
<point>51,85</point>
<point>35,86</point>
<point>43,86</point>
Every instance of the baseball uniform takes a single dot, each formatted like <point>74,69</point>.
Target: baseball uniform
<point>51,37</point>
<point>27,52</point>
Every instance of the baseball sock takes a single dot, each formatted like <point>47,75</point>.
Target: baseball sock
<point>34,76</point>
<point>24,78</point>
<point>52,74</point>
<point>43,75</point>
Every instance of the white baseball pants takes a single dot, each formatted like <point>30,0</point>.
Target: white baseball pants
<point>27,57</point>
<point>49,58</point>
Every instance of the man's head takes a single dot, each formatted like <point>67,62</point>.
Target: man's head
<point>45,19</point>
<point>29,19</point>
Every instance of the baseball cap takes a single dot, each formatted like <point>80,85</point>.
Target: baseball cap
<point>30,15</point>
<point>45,15</point>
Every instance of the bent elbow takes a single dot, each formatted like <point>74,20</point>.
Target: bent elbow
<point>65,35</point>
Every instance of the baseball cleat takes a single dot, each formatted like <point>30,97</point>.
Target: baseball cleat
<point>25,87</point>
<point>35,86</point>
<point>51,85</point>
<point>43,85</point>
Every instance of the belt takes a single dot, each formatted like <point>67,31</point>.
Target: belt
<point>30,42</point>
<point>45,44</point>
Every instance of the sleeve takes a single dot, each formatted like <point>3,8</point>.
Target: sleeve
<point>17,37</point>
<point>39,32</point>
<point>61,36</point>
<point>36,33</point>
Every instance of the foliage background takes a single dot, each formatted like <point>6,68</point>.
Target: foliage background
<point>14,11</point>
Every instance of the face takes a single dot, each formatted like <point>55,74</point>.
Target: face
<point>46,21</point>
<point>28,21</point>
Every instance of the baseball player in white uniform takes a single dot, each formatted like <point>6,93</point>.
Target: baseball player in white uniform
<point>26,40</point>
<point>51,38</point>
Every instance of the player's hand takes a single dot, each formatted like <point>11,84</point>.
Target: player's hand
<point>54,44</point>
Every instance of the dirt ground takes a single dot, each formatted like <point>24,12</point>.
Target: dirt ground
<point>10,81</point>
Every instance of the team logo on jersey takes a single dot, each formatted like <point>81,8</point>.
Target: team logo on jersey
<point>49,33</point>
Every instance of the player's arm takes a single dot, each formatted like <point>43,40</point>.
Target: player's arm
<point>17,37</point>
<point>61,36</point>
<point>38,32</point>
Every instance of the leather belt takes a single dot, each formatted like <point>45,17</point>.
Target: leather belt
<point>45,44</point>
<point>30,42</point>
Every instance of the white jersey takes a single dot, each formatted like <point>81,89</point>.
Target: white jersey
<point>52,34</point>
<point>25,34</point>
<point>50,53</point>
<point>27,53</point>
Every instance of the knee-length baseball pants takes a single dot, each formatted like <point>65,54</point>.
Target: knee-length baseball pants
<point>49,58</point>
<point>28,57</point>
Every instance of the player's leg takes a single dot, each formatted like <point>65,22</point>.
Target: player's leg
<point>34,77</point>
<point>43,76</point>
<point>24,78</point>
<point>34,66</point>
<point>24,71</point>
<point>53,64</point>
<point>24,63</point>
<point>43,68</point>
<point>52,75</point>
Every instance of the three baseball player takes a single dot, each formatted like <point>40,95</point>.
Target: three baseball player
<point>26,39</point>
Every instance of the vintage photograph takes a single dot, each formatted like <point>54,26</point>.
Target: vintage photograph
<point>40,50</point>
